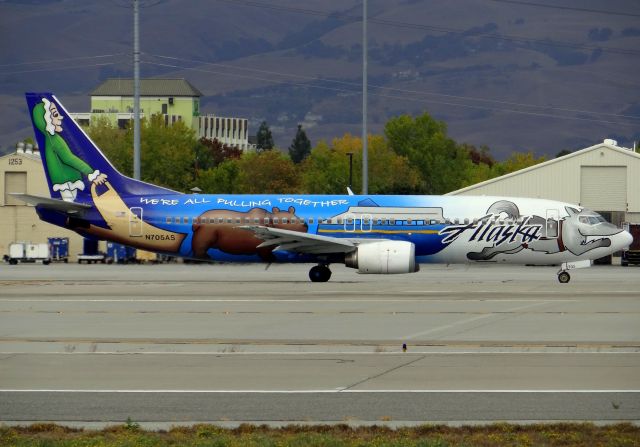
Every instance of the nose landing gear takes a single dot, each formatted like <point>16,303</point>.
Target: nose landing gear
<point>320,273</point>
<point>563,274</point>
<point>564,277</point>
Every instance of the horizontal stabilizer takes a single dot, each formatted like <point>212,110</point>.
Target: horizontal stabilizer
<point>52,204</point>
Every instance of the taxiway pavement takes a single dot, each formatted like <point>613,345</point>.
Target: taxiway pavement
<point>220,343</point>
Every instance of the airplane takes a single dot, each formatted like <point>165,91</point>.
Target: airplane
<point>374,234</point>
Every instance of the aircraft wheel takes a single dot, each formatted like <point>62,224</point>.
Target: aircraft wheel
<point>564,277</point>
<point>319,273</point>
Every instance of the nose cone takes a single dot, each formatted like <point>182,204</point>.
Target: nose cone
<point>625,239</point>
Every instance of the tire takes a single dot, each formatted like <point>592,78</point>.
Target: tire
<point>564,277</point>
<point>13,261</point>
<point>46,261</point>
<point>319,273</point>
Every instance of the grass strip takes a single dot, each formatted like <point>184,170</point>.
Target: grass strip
<point>499,434</point>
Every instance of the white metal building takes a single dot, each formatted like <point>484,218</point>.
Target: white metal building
<point>604,178</point>
<point>229,131</point>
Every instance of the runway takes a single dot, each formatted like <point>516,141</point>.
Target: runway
<point>219,343</point>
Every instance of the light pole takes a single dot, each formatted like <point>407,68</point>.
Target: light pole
<point>350,154</point>
<point>365,156</point>
<point>136,91</point>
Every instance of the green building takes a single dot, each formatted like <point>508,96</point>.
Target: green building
<point>174,99</point>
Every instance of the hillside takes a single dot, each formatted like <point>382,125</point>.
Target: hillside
<point>510,76</point>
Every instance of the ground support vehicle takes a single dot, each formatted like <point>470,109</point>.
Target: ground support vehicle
<point>28,252</point>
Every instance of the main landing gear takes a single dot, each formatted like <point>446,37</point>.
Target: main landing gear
<point>320,273</point>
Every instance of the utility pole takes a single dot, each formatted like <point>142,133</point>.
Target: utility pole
<point>136,91</point>
<point>350,154</point>
<point>365,156</point>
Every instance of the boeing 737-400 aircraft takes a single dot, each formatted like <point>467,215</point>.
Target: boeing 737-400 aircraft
<point>373,234</point>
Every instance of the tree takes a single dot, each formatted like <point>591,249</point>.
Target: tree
<point>516,162</point>
<point>223,179</point>
<point>300,146</point>
<point>167,153</point>
<point>117,144</point>
<point>264,138</point>
<point>266,173</point>
<point>210,153</point>
<point>442,163</point>
<point>326,170</point>
<point>254,173</point>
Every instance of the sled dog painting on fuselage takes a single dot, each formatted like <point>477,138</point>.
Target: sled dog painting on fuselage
<point>372,234</point>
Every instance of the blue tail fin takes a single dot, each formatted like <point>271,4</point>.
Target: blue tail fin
<point>72,162</point>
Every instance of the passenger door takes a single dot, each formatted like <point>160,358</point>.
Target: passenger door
<point>135,222</point>
<point>552,226</point>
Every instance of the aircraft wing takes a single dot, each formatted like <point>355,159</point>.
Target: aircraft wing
<point>300,242</point>
<point>53,204</point>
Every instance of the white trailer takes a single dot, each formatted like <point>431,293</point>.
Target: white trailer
<point>28,252</point>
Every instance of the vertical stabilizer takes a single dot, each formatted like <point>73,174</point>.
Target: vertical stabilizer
<point>72,162</point>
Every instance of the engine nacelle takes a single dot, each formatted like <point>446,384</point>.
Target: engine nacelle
<point>383,257</point>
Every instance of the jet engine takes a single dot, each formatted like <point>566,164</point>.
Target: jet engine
<point>383,257</point>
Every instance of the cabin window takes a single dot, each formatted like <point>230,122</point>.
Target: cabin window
<point>238,220</point>
<point>185,220</point>
<point>276,220</point>
<point>229,220</point>
<point>168,220</point>
<point>177,220</point>
<point>247,220</point>
<point>311,220</point>
<point>284,220</point>
<point>266,221</point>
<point>466,221</point>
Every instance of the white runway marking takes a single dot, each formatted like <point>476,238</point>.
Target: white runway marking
<point>230,300</point>
<point>326,353</point>
<point>325,391</point>
<point>469,320</point>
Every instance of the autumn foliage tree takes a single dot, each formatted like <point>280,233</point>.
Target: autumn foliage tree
<point>326,170</point>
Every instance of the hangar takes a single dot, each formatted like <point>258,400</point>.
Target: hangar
<point>604,178</point>
<point>22,172</point>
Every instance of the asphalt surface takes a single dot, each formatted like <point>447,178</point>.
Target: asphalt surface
<point>216,343</point>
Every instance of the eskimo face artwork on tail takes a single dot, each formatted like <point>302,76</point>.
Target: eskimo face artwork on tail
<point>65,169</point>
<point>76,170</point>
<point>504,231</point>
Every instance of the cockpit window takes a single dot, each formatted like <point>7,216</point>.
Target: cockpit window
<point>591,220</point>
